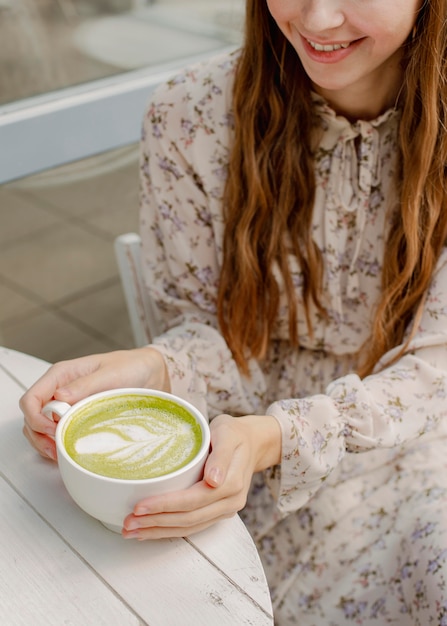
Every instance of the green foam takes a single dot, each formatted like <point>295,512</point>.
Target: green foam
<point>132,437</point>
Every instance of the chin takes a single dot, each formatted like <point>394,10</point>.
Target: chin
<point>331,84</point>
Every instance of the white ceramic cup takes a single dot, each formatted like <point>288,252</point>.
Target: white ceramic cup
<point>110,499</point>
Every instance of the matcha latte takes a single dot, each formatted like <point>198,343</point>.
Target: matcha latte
<point>132,437</point>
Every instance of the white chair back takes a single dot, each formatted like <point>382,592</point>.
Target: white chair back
<point>145,318</point>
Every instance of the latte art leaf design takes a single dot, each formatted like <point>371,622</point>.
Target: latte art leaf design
<point>128,442</point>
<point>138,443</point>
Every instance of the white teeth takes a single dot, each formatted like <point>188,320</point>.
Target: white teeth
<point>327,47</point>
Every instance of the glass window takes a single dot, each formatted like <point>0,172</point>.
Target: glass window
<point>46,45</point>
<point>75,74</point>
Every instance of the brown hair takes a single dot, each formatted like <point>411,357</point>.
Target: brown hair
<point>272,107</point>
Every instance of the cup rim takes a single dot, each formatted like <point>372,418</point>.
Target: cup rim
<point>202,452</point>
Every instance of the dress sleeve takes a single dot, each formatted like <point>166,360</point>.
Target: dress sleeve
<point>393,406</point>
<point>180,224</point>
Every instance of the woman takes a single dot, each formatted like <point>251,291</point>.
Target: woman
<point>294,228</point>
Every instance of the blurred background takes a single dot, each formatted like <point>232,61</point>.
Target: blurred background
<point>74,78</point>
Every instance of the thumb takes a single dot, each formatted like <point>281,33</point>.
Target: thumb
<point>222,450</point>
<point>80,388</point>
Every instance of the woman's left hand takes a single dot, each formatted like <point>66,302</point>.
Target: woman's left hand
<point>240,446</point>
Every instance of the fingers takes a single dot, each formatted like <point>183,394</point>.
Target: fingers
<point>73,380</point>
<point>39,429</point>
<point>32,401</point>
<point>221,494</point>
<point>35,420</point>
<point>223,445</point>
<point>141,367</point>
<point>87,376</point>
<point>226,458</point>
<point>195,497</point>
<point>87,385</point>
<point>45,446</point>
<point>58,377</point>
<point>188,520</point>
<point>180,514</point>
<point>160,532</point>
<point>70,381</point>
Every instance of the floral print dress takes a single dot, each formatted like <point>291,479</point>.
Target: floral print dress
<point>352,526</point>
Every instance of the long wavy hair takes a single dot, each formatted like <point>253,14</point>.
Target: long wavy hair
<point>268,217</point>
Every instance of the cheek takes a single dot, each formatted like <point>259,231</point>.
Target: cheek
<point>389,41</point>
<point>389,32</point>
<point>396,24</point>
<point>284,16</point>
<point>282,11</point>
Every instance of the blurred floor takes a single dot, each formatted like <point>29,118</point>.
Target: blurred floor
<point>60,291</point>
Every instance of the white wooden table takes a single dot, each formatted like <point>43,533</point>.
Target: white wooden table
<point>60,566</point>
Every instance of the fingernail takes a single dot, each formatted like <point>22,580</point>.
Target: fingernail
<point>50,453</point>
<point>144,510</point>
<point>214,476</point>
<point>132,525</point>
<point>65,392</point>
<point>131,535</point>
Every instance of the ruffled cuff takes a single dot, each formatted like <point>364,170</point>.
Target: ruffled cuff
<point>313,444</point>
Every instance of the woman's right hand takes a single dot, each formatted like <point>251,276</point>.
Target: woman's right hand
<point>70,381</point>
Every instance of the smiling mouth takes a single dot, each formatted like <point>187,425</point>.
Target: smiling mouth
<point>327,47</point>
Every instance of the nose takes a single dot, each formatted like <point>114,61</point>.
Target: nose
<point>322,15</point>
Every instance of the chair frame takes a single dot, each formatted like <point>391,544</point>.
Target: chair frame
<point>144,316</point>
